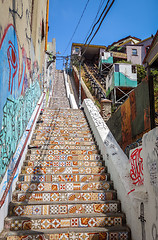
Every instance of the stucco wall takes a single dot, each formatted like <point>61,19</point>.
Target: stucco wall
<point>22,30</point>
<point>134,59</point>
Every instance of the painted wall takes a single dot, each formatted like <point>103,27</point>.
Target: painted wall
<point>120,75</point>
<point>131,120</point>
<point>139,200</point>
<point>150,159</point>
<point>22,28</point>
<point>134,59</point>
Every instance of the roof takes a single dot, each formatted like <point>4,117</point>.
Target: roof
<point>85,45</point>
<point>146,59</point>
<point>138,39</point>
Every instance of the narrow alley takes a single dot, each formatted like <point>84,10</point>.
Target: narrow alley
<point>64,190</point>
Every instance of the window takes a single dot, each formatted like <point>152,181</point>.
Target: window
<point>134,69</point>
<point>77,50</point>
<point>134,52</point>
<point>116,67</point>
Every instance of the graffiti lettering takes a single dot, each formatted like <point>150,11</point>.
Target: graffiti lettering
<point>136,171</point>
<point>13,64</point>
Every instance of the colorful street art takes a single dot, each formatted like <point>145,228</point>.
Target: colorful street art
<point>136,166</point>
<point>18,97</point>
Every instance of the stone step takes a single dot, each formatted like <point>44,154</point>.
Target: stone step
<point>63,146</point>
<point>77,196</point>
<point>63,178</point>
<point>70,186</point>
<point>62,170</point>
<point>61,152</point>
<point>64,163</point>
<point>16,209</point>
<point>96,233</point>
<point>58,221</point>
<point>48,157</point>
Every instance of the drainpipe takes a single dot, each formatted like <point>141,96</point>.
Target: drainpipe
<point>47,25</point>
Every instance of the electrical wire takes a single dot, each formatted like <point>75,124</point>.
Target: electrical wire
<point>98,26</point>
<point>97,21</point>
<point>77,25</point>
<point>99,8</point>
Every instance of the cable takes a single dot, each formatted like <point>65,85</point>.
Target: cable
<point>98,26</point>
<point>99,8</point>
<point>102,21</point>
<point>97,21</point>
<point>77,25</point>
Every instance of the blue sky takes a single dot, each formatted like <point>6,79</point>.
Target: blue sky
<point>137,18</point>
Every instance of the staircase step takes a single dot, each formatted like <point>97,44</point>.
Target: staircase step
<point>48,157</point>
<point>63,178</point>
<point>53,140</point>
<point>61,170</point>
<point>61,152</point>
<point>44,136</point>
<point>95,195</point>
<point>61,147</point>
<point>56,141</point>
<point>72,186</point>
<point>69,163</point>
<point>58,221</point>
<point>16,209</point>
<point>97,233</point>
<point>63,130</point>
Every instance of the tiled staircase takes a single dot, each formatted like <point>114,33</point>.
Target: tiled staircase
<point>64,190</point>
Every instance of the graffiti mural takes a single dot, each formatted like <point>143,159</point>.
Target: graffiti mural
<point>136,166</point>
<point>18,97</point>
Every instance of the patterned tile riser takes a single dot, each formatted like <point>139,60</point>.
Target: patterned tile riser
<point>43,136</point>
<point>81,140</point>
<point>63,209</point>
<point>62,142</point>
<point>77,222</point>
<point>62,131</point>
<point>64,157</point>
<point>63,178</point>
<point>51,125</point>
<point>61,151</point>
<point>65,147</point>
<point>75,236</point>
<point>73,186</point>
<point>64,163</point>
<point>63,170</point>
<point>58,197</point>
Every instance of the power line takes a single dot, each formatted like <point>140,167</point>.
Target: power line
<point>97,21</point>
<point>99,8</point>
<point>102,21</point>
<point>99,25</point>
<point>77,25</point>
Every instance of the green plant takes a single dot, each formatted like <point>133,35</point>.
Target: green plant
<point>141,73</point>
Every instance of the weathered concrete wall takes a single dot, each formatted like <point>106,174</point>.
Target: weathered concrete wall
<point>22,38</point>
<point>139,200</point>
<point>131,120</point>
<point>135,59</point>
<point>150,159</point>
